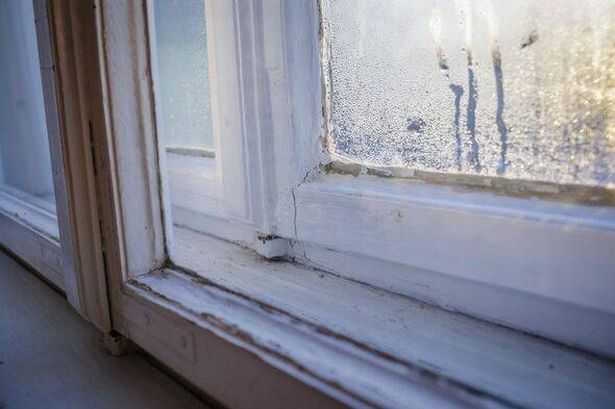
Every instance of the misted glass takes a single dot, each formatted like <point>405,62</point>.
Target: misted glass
<point>519,89</point>
<point>183,81</point>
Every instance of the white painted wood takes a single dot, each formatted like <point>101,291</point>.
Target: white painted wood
<point>156,168</point>
<point>46,47</point>
<point>133,147</point>
<point>531,313</point>
<point>222,227</point>
<point>30,231</point>
<point>29,226</point>
<point>229,128</point>
<point>33,212</point>
<point>193,184</point>
<point>218,186</point>
<point>401,337</point>
<point>230,373</point>
<point>297,128</point>
<point>248,93</point>
<point>270,183</point>
<point>23,232</point>
<point>552,250</point>
<point>352,367</point>
<point>79,113</point>
<point>278,89</point>
<point>131,229</point>
<point>528,247</point>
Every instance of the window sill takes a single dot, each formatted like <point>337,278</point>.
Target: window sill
<point>34,212</point>
<point>478,252</point>
<point>360,344</point>
<point>193,183</point>
<point>29,229</point>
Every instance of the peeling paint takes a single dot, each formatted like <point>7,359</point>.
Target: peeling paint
<point>588,195</point>
<point>414,371</point>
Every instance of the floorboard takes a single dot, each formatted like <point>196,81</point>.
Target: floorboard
<point>50,357</point>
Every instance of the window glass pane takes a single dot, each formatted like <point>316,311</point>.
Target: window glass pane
<point>522,89</point>
<point>24,146</point>
<point>181,47</point>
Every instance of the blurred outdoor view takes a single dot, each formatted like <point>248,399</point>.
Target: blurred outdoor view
<point>183,74</point>
<point>25,162</point>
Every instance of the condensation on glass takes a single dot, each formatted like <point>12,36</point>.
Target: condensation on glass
<point>183,78</point>
<point>25,164</point>
<point>521,89</point>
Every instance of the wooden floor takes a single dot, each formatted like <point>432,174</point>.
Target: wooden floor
<point>51,358</point>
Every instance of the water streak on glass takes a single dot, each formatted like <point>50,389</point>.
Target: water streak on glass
<point>518,89</point>
<point>184,96</point>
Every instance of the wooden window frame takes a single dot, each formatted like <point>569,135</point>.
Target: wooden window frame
<point>509,252</point>
<point>210,190</point>
<point>30,230</point>
<point>64,245</point>
<point>428,239</point>
<point>202,323</point>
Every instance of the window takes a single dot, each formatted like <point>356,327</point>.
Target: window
<point>27,194</point>
<point>446,149</point>
<point>25,164</point>
<point>479,138</point>
<point>197,118</point>
<point>45,205</point>
<point>326,166</point>
<point>185,117</point>
<point>338,198</point>
<point>517,90</point>
<point>184,103</point>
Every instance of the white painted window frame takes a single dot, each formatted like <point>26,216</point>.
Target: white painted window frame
<point>472,250</point>
<point>29,226</point>
<point>62,244</point>
<point>136,231</point>
<point>426,239</point>
<point>211,192</point>
<point>203,323</point>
